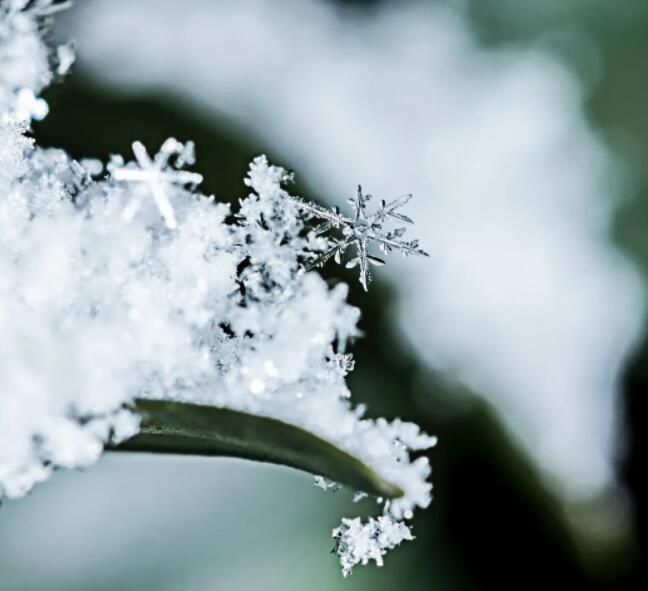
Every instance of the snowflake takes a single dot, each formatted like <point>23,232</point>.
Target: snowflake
<point>43,7</point>
<point>326,484</point>
<point>358,543</point>
<point>359,231</point>
<point>156,173</point>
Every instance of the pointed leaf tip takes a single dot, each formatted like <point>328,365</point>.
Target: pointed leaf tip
<point>184,428</point>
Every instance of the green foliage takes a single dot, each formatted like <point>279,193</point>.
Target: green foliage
<point>184,428</point>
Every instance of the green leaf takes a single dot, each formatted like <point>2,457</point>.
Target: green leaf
<point>182,428</point>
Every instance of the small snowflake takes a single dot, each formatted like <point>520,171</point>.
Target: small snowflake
<point>156,173</point>
<point>340,364</point>
<point>358,543</point>
<point>326,484</point>
<point>360,230</point>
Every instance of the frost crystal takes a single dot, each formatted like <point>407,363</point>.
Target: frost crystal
<point>24,58</point>
<point>137,286</point>
<point>358,543</point>
<point>360,230</point>
<point>325,484</point>
<point>156,174</point>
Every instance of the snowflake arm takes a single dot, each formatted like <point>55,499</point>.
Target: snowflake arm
<point>362,261</point>
<point>333,218</point>
<point>339,246</point>
<point>387,242</point>
<point>389,209</point>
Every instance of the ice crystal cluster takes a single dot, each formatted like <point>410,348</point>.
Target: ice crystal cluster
<point>358,542</point>
<point>124,282</point>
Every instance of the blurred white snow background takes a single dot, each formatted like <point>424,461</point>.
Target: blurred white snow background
<point>525,300</point>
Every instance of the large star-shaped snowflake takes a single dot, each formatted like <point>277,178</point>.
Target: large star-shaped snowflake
<point>359,231</point>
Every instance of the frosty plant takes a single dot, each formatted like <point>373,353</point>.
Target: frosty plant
<point>136,316</point>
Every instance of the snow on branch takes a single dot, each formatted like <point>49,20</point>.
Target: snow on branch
<point>136,285</point>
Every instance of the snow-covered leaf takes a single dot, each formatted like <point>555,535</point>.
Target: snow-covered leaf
<point>182,428</point>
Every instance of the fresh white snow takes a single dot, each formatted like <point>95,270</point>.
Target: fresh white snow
<point>134,284</point>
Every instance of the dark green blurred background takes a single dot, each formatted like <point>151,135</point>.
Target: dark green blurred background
<point>492,523</point>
